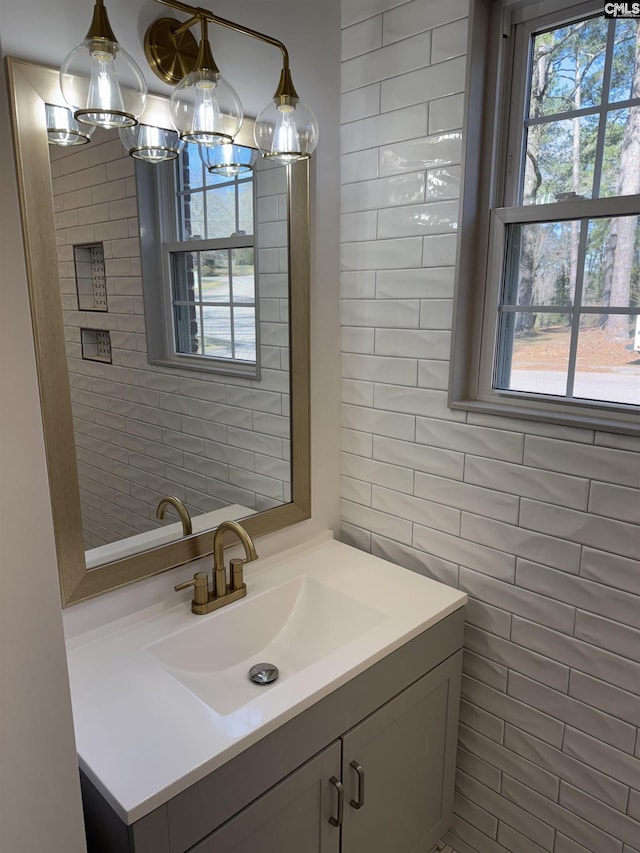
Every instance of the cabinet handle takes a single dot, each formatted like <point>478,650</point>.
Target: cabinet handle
<point>357,804</point>
<point>337,784</point>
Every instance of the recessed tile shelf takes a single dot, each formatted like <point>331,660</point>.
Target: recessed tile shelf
<point>90,277</point>
<point>96,345</point>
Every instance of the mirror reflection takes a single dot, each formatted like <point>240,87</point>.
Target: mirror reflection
<point>197,418</point>
<point>175,297</point>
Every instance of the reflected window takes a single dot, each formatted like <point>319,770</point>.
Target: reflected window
<point>211,263</point>
<point>203,220</point>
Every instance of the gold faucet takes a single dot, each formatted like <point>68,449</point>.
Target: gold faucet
<point>183,512</point>
<point>205,601</point>
<point>219,572</point>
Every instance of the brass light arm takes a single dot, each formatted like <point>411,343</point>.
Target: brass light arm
<point>183,512</point>
<point>285,91</point>
<point>198,12</point>
<point>187,24</point>
<point>239,28</point>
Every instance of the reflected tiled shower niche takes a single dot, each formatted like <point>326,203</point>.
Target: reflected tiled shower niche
<point>90,277</point>
<point>96,345</point>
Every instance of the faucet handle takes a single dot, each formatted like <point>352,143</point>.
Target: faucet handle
<point>200,584</point>
<point>236,570</point>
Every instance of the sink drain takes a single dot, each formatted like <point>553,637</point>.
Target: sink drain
<point>263,673</point>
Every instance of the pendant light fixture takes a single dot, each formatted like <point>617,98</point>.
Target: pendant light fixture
<point>99,79</point>
<point>228,160</point>
<point>106,88</point>
<point>151,144</point>
<point>204,107</point>
<point>63,129</point>
<point>286,130</point>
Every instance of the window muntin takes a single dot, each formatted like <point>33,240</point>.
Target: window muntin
<point>568,275</point>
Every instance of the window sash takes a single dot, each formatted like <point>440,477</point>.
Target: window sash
<point>489,367</point>
<point>185,193</point>
<point>200,304</point>
<point>523,24</point>
<point>174,226</point>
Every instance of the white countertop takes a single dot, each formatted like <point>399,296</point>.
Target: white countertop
<point>143,736</point>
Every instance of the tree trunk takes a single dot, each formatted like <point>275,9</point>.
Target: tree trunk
<point>532,181</point>
<point>575,225</point>
<point>622,233</point>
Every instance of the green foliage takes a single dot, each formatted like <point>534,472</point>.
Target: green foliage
<point>562,294</point>
<point>567,75</point>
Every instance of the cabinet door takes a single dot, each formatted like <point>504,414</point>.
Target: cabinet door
<point>398,768</point>
<point>293,817</point>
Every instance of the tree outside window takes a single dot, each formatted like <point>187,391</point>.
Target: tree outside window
<point>570,295</point>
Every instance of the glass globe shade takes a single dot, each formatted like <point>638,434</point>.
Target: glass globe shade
<point>63,129</point>
<point>103,84</point>
<point>286,132</point>
<point>151,144</point>
<point>206,109</point>
<point>228,160</point>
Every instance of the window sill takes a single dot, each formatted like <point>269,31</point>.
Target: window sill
<point>219,367</point>
<point>542,411</point>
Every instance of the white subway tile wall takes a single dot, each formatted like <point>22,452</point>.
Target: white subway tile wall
<point>537,523</point>
<point>143,431</point>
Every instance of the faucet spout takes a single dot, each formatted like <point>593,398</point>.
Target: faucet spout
<point>219,572</point>
<point>205,601</point>
<point>183,512</point>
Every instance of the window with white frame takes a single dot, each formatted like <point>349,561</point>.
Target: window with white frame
<point>560,330</point>
<point>206,318</point>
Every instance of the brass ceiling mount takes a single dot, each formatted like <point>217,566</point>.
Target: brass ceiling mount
<point>170,56</point>
<point>100,27</point>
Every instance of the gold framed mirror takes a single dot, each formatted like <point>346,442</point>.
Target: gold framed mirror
<point>32,86</point>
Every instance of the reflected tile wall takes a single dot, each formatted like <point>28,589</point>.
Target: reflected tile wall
<point>537,523</point>
<point>143,430</point>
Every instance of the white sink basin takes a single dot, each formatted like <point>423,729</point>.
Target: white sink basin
<point>162,698</point>
<point>292,626</point>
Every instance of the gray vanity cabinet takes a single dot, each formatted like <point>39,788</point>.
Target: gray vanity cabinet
<point>390,772</point>
<point>398,783</point>
<point>387,737</point>
<point>290,818</point>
